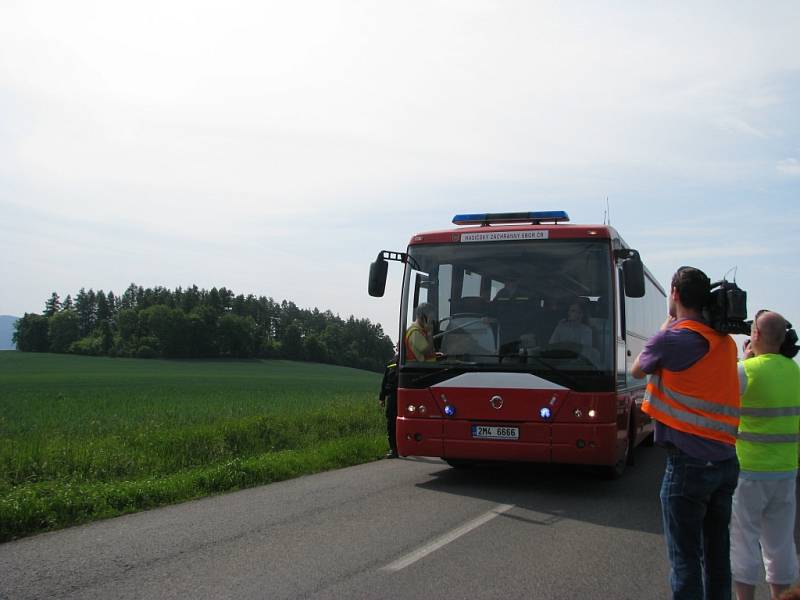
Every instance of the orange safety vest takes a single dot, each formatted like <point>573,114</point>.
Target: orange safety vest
<point>410,355</point>
<point>704,399</point>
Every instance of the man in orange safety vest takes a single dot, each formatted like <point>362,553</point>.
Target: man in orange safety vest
<point>693,396</point>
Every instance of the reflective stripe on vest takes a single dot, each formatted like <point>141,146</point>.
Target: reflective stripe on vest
<point>410,354</point>
<point>691,401</point>
<point>749,411</point>
<point>693,418</point>
<point>703,399</point>
<point>698,405</point>
<point>769,438</point>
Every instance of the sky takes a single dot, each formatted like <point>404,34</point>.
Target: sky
<point>275,148</point>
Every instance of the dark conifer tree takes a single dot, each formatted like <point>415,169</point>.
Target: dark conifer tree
<point>112,304</point>
<point>103,308</point>
<point>52,306</point>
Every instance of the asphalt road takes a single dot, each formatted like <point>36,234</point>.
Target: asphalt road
<point>406,528</point>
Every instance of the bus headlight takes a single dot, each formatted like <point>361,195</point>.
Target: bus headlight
<point>592,414</point>
<point>411,408</point>
<point>545,412</point>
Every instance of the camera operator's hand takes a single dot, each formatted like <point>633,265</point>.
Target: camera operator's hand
<point>747,350</point>
<point>668,323</point>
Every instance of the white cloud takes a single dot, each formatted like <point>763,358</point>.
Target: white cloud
<point>789,166</point>
<point>741,126</point>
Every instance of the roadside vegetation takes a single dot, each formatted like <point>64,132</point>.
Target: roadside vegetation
<point>84,438</point>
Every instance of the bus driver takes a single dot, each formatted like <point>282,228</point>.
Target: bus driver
<point>575,328</point>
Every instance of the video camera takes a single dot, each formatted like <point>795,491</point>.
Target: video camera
<point>726,312</point>
<point>789,347</point>
<point>726,309</point>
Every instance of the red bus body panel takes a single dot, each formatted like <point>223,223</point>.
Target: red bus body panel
<point>570,435</point>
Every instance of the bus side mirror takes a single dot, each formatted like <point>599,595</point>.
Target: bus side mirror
<point>377,277</point>
<point>633,273</point>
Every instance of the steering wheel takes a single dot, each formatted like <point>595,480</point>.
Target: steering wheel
<point>477,317</point>
<point>569,350</point>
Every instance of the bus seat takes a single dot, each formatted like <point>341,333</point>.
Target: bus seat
<point>516,317</point>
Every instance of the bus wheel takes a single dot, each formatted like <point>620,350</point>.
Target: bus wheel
<point>459,463</point>
<point>629,458</point>
<point>615,471</point>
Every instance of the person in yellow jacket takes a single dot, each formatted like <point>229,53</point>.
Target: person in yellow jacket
<point>693,395</point>
<point>418,338</point>
<point>764,505</point>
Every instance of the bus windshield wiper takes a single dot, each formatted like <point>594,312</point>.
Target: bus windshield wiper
<point>466,355</point>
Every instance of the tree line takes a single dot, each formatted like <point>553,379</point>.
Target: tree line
<point>199,323</point>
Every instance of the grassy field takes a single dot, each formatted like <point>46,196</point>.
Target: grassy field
<point>83,438</point>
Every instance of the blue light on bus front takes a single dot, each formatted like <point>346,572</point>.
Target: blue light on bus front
<point>545,413</point>
<point>450,410</point>
<point>555,216</point>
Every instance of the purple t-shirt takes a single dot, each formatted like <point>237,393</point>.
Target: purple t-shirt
<point>677,350</point>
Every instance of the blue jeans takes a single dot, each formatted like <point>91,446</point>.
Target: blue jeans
<point>696,497</point>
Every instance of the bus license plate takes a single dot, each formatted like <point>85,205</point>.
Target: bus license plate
<point>495,432</point>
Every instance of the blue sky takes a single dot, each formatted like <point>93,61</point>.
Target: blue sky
<point>275,148</point>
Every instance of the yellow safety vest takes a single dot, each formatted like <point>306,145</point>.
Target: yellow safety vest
<point>770,415</point>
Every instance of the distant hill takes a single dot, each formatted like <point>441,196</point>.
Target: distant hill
<point>6,331</point>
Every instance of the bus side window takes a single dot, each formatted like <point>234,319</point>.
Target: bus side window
<point>622,351</point>
<point>420,290</point>
<point>621,305</point>
<point>471,285</point>
<point>496,286</point>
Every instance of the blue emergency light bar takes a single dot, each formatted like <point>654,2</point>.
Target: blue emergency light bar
<point>537,217</point>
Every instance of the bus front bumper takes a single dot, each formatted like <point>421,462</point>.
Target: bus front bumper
<point>567,443</point>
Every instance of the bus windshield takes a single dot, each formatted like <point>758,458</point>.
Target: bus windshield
<point>538,306</point>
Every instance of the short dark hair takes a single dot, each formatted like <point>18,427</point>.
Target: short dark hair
<point>693,287</point>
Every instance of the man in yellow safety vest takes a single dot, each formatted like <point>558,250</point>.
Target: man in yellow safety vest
<point>764,505</point>
<point>418,338</point>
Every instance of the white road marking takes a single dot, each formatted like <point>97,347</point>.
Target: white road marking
<point>412,557</point>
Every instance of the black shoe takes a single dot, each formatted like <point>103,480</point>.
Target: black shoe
<point>390,454</point>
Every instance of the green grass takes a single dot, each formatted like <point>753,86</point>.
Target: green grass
<point>83,438</point>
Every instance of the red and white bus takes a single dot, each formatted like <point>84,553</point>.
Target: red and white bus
<point>537,324</point>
